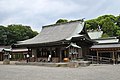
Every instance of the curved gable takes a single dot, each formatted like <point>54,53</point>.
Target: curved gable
<point>56,32</point>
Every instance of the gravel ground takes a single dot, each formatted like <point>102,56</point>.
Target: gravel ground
<point>19,72</point>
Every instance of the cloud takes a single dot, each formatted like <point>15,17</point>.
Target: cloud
<point>37,13</point>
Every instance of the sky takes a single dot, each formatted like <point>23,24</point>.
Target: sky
<point>38,13</point>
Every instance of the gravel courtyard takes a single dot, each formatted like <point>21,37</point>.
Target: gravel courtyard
<point>19,72</point>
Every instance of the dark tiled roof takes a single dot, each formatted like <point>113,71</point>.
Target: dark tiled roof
<point>4,47</point>
<point>115,45</point>
<point>57,32</point>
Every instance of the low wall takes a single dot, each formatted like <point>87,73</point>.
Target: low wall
<point>73,64</point>
<point>54,59</point>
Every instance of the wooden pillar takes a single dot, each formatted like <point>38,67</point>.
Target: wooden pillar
<point>0,56</point>
<point>69,52</point>
<point>116,58</point>
<point>51,54</point>
<point>60,51</point>
<point>113,58</point>
<point>50,51</point>
<point>97,57</point>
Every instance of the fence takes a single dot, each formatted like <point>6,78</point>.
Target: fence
<point>102,60</point>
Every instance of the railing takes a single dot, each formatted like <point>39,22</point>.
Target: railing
<point>93,59</point>
<point>102,60</point>
<point>105,60</point>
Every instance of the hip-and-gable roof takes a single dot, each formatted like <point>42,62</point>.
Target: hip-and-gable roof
<point>56,32</point>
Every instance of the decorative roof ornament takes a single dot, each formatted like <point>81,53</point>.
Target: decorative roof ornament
<point>73,45</point>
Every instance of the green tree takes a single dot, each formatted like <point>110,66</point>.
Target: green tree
<point>13,33</point>
<point>105,35</point>
<point>108,26</point>
<point>19,33</point>
<point>108,23</point>
<point>112,17</point>
<point>118,20</point>
<point>3,35</point>
<point>91,24</point>
<point>61,21</point>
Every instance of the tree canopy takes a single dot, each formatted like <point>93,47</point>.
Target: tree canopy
<point>13,33</point>
<point>61,21</point>
<point>109,24</point>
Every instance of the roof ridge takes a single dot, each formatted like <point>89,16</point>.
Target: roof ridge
<point>63,23</point>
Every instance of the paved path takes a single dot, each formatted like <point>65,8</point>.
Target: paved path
<point>19,72</point>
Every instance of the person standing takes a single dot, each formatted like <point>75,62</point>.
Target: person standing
<point>27,58</point>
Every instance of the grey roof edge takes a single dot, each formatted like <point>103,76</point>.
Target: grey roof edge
<point>108,38</point>
<point>63,23</point>
<point>106,43</point>
<point>102,46</point>
<point>56,42</point>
